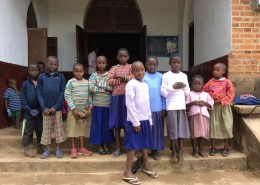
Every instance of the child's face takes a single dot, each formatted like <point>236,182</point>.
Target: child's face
<point>41,68</point>
<point>151,65</point>
<point>33,71</point>
<point>175,64</point>
<point>138,71</point>
<point>122,57</point>
<point>13,84</point>
<point>218,71</point>
<point>52,65</point>
<point>78,72</point>
<point>101,63</point>
<point>197,85</point>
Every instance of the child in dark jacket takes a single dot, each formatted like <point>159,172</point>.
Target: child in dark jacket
<point>32,114</point>
<point>50,91</point>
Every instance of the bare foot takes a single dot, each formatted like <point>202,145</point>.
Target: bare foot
<point>173,158</point>
<point>28,153</point>
<point>180,159</point>
<point>195,153</point>
<point>203,154</point>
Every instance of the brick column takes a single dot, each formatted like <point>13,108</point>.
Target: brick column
<point>244,60</point>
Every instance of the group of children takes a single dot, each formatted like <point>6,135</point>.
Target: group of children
<point>127,97</point>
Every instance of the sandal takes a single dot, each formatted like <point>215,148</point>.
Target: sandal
<point>59,154</point>
<point>225,153</point>
<point>151,173</point>
<point>73,153</point>
<point>132,180</point>
<point>45,154</point>
<point>212,152</point>
<point>116,153</point>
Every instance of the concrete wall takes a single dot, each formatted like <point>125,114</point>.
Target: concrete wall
<point>212,27</point>
<point>161,20</point>
<point>13,31</point>
<point>41,11</point>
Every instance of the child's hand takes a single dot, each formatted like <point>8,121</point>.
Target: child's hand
<point>137,129</point>
<point>88,112</point>
<point>179,85</point>
<point>34,113</point>
<point>164,113</point>
<point>46,112</point>
<point>52,111</point>
<point>217,102</point>
<point>75,112</point>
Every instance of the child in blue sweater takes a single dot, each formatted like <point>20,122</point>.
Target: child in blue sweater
<point>50,91</point>
<point>32,111</point>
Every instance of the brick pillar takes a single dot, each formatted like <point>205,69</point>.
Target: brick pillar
<point>244,60</point>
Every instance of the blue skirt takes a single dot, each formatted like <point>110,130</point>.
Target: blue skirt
<point>117,114</point>
<point>99,131</point>
<point>140,140</point>
<point>158,131</point>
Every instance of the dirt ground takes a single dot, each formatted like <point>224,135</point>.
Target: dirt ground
<point>219,177</point>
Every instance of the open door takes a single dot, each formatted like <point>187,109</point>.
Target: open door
<point>82,50</point>
<point>191,46</point>
<point>37,45</point>
<point>143,38</point>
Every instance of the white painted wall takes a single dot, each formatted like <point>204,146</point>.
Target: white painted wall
<point>13,32</point>
<point>161,20</point>
<point>212,27</point>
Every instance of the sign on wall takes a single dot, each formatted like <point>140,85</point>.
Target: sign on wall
<point>162,46</point>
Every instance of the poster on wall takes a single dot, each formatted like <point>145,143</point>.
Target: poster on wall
<point>162,46</point>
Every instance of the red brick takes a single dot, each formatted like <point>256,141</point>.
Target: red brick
<point>234,47</point>
<point>247,13</point>
<point>251,68</point>
<point>237,41</point>
<point>235,1</point>
<point>247,52</point>
<point>246,19</point>
<point>238,30</point>
<point>258,68</point>
<point>247,29</point>
<point>248,73</point>
<point>249,35</point>
<point>244,56</point>
<point>255,19</point>
<point>257,47</point>
<point>236,73</point>
<point>247,47</point>
<point>250,25</point>
<point>235,24</point>
<point>245,2</point>
<point>256,73</point>
<point>237,7</point>
<point>237,19</point>
<point>247,41</point>
<point>256,57</point>
<point>254,62</point>
<point>237,52</point>
<point>257,24</point>
<point>255,29</point>
<point>234,62</point>
<point>235,13</point>
<point>246,62</point>
<point>235,35</point>
<point>256,52</point>
<point>257,35</point>
<point>247,8</point>
<point>255,41</point>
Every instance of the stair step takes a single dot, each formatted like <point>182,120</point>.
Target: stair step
<point>13,161</point>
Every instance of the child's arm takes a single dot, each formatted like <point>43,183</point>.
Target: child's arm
<point>186,89</point>
<point>6,104</point>
<point>229,94</point>
<point>131,109</point>
<point>40,95</point>
<point>25,104</point>
<point>93,88</point>
<point>61,96</point>
<point>189,102</point>
<point>111,80</point>
<point>165,90</point>
<point>6,99</point>
<point>68,98</point>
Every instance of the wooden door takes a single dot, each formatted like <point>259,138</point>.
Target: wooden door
<point>143,39</point>
<point>82,50</point>
<point>52,46</point>
<point>37,45</point>
<point>191,46</point>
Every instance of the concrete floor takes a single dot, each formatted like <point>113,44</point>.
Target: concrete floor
<point>220,177</point>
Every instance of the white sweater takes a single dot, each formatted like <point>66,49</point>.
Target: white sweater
<point>175,98</point>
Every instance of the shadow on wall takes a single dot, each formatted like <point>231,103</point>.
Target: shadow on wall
<point>8,71</point>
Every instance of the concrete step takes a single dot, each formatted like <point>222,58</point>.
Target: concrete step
<point>13,161</point>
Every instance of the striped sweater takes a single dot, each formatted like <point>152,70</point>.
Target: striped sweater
<point>77,94</point>
<point>100,90</point>
<point>118,86</point>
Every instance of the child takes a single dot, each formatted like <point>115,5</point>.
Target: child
<point>154,82</point>
<point>174,88</point>
<point>118,76</point>
<point>41,66</point>
<point>32,114</point>
<point>50,91</point>
<point>13,103</point>
<point>100,133</point>
<point>221,118</point>
<point>198,102</point>
<point>138,134</point>
<point>79,100</point>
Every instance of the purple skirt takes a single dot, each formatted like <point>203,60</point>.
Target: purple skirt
<point>140,140</point>
<point>117,114</point>
<point>158,131</point>
<point>99,131</point>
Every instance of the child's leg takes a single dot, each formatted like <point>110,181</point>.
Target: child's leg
<point>72,140</point>
<point>116,153</point>
<point>212,151</point>
<point>180,144</point>
<point>17,122</point>
<point>27,137</point>
<point>147,168</point>
<point>194,143</point>
<point>82,150</point>
<point>129,162</point>
<point>225,150</point>
<point>38,131</point>
<point>201,147</point>
<point>174,152</point>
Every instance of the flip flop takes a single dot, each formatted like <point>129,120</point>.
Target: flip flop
<point>45,154</point>
<point>132,180</point>
<point>225,153</point>
<point>212,152</point>
<point>59,154</point>
<point>151,173</point>
<point>116,153</point>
